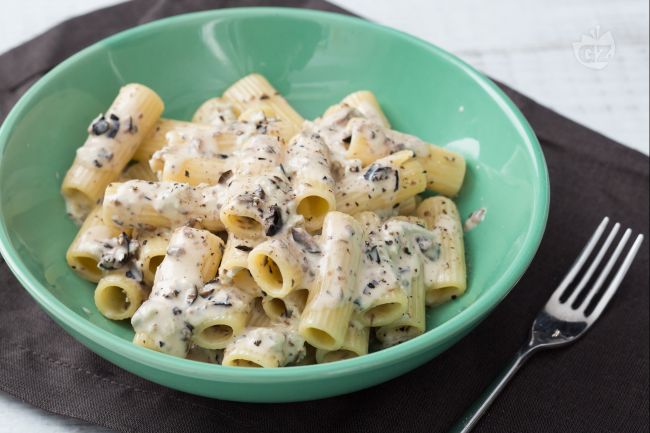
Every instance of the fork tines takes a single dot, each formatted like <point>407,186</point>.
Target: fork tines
<point>564,298</point>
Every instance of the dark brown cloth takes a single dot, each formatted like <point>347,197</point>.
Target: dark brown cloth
<point>598,385</point>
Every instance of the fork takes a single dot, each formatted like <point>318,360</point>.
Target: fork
<point>565,317</point>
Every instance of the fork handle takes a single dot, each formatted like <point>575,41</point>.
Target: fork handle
<point>471,417</point>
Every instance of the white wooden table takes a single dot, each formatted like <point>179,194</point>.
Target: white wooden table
<point>527,44</point>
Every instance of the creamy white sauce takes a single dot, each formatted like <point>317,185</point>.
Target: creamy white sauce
<point>163,317</point>
<point>260,174</point>
<point>186,144</point>
<point>213,299</point>
<point>77,210</point>
<point>339,126</point>
<point>216,111</point>
<point>308,157</point>
<point>259,188</point>
<point>110,252</point>
<point>336,240</point>
<point>180,203</point>
<point>281,342</point>
<point>474,219</point>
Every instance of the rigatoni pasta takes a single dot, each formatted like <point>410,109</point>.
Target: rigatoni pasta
<point>254,92</point>
<point>448,279</point>
<point>119,294</point>
<point>92,242</point>
<point>355,344</point>
<point>113,138</point>
<point>307,164</point>
<point>329,306</point>
<point>251,237</point>
<point>152,250</point>
<point>191,261</point>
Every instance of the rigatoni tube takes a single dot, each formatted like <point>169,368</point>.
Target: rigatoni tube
<point>196,154</point>
<point>161,322</point>
<point>276,267</point>
<point>265,348</point>
<point>234,265</point>
<point>355,344</point>
<point>308,166</point>
<point>153,247</point>
<point>413,321</point>
<point>366,103</point>
<point>141,204</point>
<point>329,307</point>
<point>253,89</point>
<point>385,183</point>
<point>257,201</point>
<point>379,298</point>
<point>447,278</point>
<point>291,306</point>
<point>85,251</point>
<point>215,111</point>
<point>157,138</point>
<point>118,296</point>
<point>113,139</point>
<point>219,313</point>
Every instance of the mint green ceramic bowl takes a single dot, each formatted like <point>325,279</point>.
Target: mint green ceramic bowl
<point>314,59</point>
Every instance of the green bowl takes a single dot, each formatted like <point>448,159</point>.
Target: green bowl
<point>314,59</point>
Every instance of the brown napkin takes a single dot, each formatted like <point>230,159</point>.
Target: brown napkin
<point>598,385</point>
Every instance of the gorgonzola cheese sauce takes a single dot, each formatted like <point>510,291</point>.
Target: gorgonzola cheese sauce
<point>164,316</point>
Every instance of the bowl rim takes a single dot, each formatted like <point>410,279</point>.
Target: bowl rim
<point>454,326</point>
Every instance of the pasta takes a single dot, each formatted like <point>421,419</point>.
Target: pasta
<point>257,200</point>
<point>153,248</point>
<point>89,246</point>
<point>113,139</point>
<point>254,93</point>
<point>355,344</point>
<point>215,111</point>
<point>308,167</point>
<point>218,314</point>
<point>275,267</point>
<point>118,295</point>
<point>329,307</point>
<point>385,183</point>
<point>448,280</point>
<point>194,155</point>
<point>143,204</point>
<point>361,132</point>
<point>157,138</point>
<point>234,265</point>
<point>164,322</point>
<point>385,299</point>
<point>252,237</point>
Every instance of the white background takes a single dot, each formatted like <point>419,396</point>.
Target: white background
<point>524,43</point>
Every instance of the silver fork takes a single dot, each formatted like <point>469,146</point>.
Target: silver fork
<point>563,321</point>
